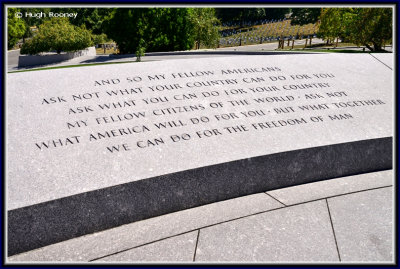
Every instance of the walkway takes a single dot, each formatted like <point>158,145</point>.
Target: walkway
<point>342,220</point>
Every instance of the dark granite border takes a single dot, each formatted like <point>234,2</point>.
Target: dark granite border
<point>50,222</point>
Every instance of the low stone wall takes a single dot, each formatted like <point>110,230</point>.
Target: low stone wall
<point>32,60</point>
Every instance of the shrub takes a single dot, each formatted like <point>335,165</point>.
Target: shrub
<point>99,39</point>
<point>57,34</point>
<point>15,27</point>
<point>369,27</point>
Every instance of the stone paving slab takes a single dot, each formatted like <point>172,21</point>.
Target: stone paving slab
<point>127,236</point>
<point>253,247</point>
<point>254,228</point>
<point>175,249</point>
<point>318,190</point>
<point>385,58</point>
<point>298,233</point>
<point>363,224</point>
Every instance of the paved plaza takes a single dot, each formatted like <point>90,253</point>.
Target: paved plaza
<point>341,220</point>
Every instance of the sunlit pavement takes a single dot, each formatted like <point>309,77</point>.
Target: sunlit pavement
<point>341,220</point>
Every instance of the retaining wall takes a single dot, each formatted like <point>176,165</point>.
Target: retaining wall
<point>32,60</point>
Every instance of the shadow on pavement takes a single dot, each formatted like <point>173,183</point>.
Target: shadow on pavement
<point>212,52</point>
<point>97,59</point>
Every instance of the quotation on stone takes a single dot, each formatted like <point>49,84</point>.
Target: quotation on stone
<point>75,130</point>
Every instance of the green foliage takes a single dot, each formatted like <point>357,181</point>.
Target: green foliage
<point>99,39</point>
<point>92,18</point>
<point>370,27</point>
<point>126,27</point>
<point>59,35</point>
<point>204,23</point>
<point>334,22</point>
<point>171,30</point>
<point>136,30</point>
<point>301,16</point>
<point>140,50</point>
<point>15,27</point>
<point>239,14</point>
<point>244,14</point>
<point>276,13</point>
<point>33,20</point>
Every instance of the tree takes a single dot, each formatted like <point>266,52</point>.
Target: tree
<point>204,25</point>
<point>276,13</point>
<point>369,27</point>
<point>301,16</point>
<point>126,27</point>
<point>15,27</point>
<point>136,30</point>
<point>252,14</point>
<point>229,14</point>
<point>334,22</point>
<point>92,18</point>
<point>240,14</point>
<point>59,35</point>
<point>32,20</point>
<point>171,30</point>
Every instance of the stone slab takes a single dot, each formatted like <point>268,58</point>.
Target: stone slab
<point>301,233</point>
<point>386,58</point>
<point>175,249</point>
<point>77,186</point>
<point>332,187</point>
<point>87,247</point>
<point>363,224</point>
<point>34,114</point>
<point>62,219</point>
